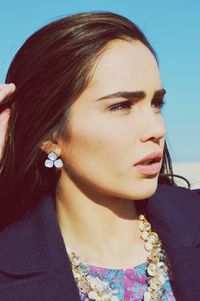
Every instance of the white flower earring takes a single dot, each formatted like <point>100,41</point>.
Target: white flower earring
<point>53,161</point>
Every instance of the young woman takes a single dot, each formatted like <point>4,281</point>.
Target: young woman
<point>87,210</point>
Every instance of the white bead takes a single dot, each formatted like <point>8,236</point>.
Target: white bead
<point>141,217</point>
<point>157,281</point>
<point>162,268</point>
<point>148,246</point>
<point>58,163</point>
<point>147,296</point>
<point>162,279</point>
<point>144,226</point>
<point>145,235</point>
<point>114,298</point>
<point>48,163</point>
<point>76,261</point>
<point>52,156</point>
<point>92,295</point>
<point>157,295</point>
<point>152,269</point>
<point>153,238</point>
<point>105,297</point>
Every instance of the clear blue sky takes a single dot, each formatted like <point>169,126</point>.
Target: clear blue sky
<point>173,28</point>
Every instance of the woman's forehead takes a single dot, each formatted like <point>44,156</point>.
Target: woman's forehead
<point>125,65</point>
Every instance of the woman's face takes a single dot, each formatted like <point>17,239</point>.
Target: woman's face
<point>109,134</point>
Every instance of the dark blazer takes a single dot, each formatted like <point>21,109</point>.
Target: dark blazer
<point>34,264</point>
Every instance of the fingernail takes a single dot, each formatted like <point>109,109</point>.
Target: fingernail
<point>11,84</point>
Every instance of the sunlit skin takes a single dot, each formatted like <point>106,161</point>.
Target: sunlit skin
<point>94,198</point>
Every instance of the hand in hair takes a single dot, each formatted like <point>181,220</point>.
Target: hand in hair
<point>5,91</point>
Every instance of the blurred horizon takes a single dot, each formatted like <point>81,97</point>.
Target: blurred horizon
<point>173,29</point>
<point>190,171</point>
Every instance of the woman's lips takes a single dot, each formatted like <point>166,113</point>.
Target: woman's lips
<point>149,170</point>
<point>151,164</point>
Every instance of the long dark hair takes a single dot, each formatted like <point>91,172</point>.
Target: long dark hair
<point>50,71</point>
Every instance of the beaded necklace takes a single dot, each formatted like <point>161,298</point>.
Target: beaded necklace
<point>157,266</point>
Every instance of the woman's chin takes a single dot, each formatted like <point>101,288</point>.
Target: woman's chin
<point>142,190</point>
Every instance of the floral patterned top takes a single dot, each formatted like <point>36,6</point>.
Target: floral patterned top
<point>128,284</point>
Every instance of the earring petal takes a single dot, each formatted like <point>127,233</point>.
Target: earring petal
<point>58,163</point>
<point>52,156</point>
<point>48,163</point>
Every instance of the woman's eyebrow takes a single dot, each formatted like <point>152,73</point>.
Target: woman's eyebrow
<point>132,94</point>
<point>160,93</point>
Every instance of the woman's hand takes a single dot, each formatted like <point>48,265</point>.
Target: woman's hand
<point>5,91</point>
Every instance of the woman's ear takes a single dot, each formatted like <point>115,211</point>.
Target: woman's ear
<point>51,146</point>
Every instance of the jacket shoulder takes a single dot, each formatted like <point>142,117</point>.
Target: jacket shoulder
<point>169,195</point>
<point>174,211</point>
<point>24,244</point>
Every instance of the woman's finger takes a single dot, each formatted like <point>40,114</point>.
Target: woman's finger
<point>4,117</point>
<point>6,90</point>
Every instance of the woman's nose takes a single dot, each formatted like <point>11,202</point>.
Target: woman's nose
<point>153,128</point>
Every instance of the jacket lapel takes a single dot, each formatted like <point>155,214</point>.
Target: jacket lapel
<point>34,264</point>
<point>175,214</point>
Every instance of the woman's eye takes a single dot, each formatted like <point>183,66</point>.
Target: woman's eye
<point>122,106</point>
<point>159,104</point>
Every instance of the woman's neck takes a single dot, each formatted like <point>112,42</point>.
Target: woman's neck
<point>99,228</point>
